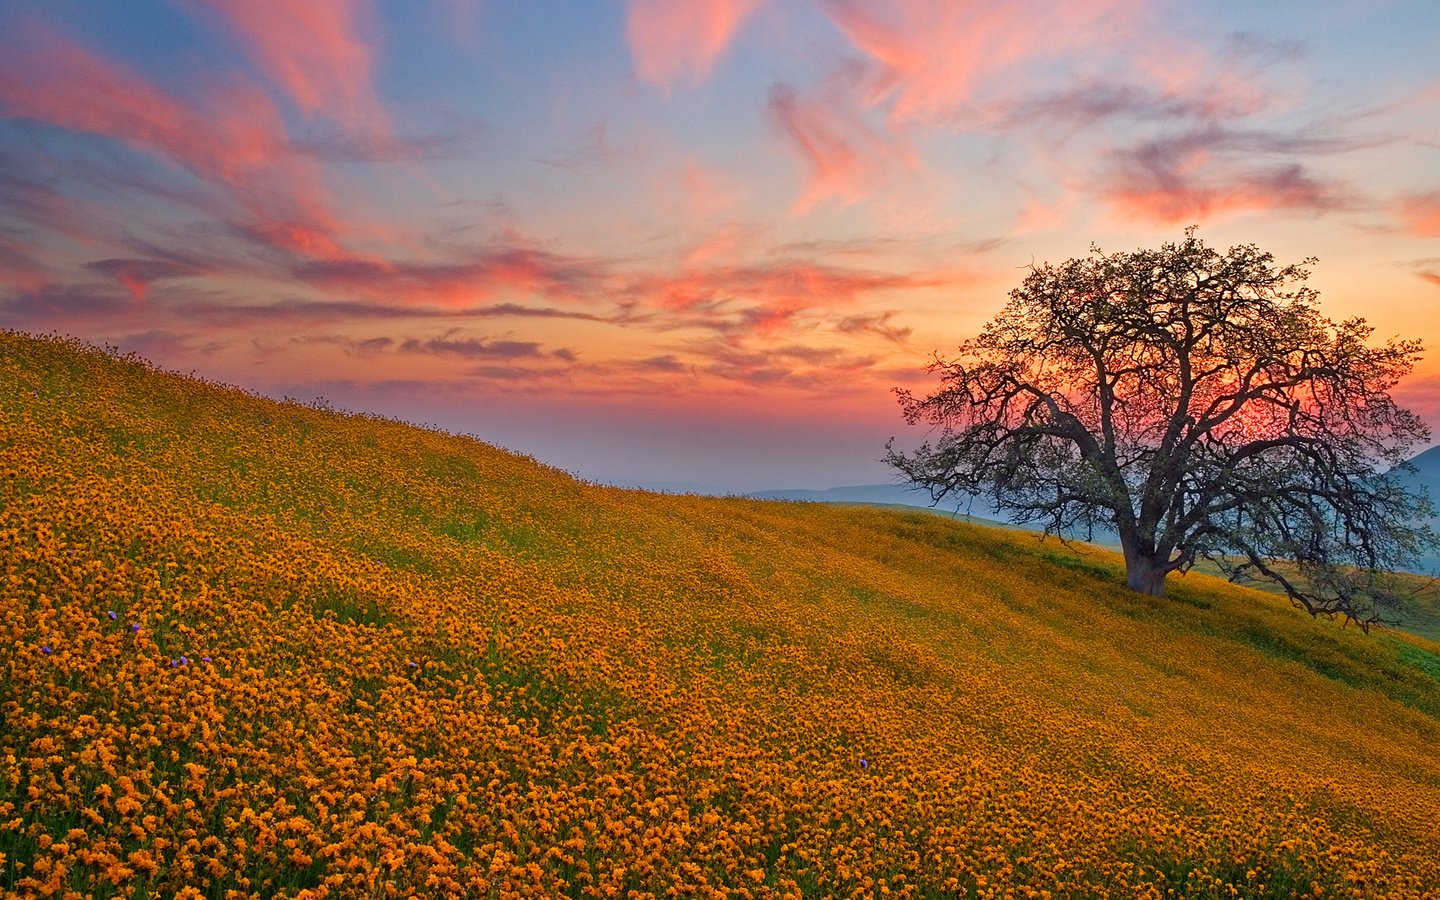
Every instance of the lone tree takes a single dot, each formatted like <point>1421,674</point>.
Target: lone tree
<point>1200,406</point>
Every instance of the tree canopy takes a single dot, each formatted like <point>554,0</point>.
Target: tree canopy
<point>1198,404</point>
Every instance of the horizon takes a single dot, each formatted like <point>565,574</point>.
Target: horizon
<point>699,247</point>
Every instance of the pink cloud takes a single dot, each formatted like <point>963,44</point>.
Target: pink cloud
<point>937,55</point>
<point>48,78</point>
<point>848,158</point>
<point>672,42</point>
<point>313,51</point>
<point>235,139</point>
<point>1193,176</point>
<point>1432,277</point>
<point>1421,214</point>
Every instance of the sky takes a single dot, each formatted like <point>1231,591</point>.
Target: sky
<point>682,244</point>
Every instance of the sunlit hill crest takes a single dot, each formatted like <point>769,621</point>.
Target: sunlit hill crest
<point>266,649</point>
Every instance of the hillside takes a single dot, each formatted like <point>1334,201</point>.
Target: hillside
<point>259,647</point>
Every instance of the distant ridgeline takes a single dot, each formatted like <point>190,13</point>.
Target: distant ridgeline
<point>261,649</point>
<point>1426,476</point>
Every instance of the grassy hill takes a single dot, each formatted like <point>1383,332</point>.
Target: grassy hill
<point>259,647</point>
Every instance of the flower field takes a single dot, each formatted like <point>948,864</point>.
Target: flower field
<point>258,649</point>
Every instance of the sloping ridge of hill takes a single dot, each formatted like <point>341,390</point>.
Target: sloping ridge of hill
<point>1424,475</point>
<point>890,494</point>
<point>259,647</point>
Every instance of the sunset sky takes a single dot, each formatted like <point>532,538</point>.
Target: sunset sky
<point>696,241</point>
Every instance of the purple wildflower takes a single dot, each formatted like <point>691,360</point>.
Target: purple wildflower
<point>864,763</point>
<point>134,626</point>
<point>45,649</point>
<point>205,659</point>
<point>413,664</point>
<point>110,614</point>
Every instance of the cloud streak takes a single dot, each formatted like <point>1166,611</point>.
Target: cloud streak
<point>234,138</point>
<point>313,52</point>
<point>449,344</point>
<point>935,57</point>
<point>1195,175</point>
<point>1420,214</point>
<point>138,274</point>
<point>476,275</point>
<point>848,158</point>
<point>673,43</point>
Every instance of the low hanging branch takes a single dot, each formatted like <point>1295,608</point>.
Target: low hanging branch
<point>1199,405</point>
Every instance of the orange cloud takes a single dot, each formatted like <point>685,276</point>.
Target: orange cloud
<point>1432,277</point>
<point>313,51</point>
<point>514,270</point>
<point>1421,214</point>
<point>672,42</point>
<point>762,298</point>
<point>238,141</point>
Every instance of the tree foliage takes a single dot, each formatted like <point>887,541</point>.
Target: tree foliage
<point>1199,405</point>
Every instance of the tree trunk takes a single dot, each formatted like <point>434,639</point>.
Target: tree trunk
<point>1144,573</point>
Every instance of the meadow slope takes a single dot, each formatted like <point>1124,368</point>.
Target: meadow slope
<point>261,649</point>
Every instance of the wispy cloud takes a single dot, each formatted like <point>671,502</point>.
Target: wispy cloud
<point>449,344</point>
<point>138,274</point>
<point>234,138</point>
<point>31,204</point>
<point>364,348</point>
<point>531,376</point>
<point>19,267</point>
<point>314,52</point>
<point>55,305</point>
<point>446,141</point>
<point>674,43</point>
<point>1420,214</point>
<point>934,58</point>
<point>877,324</point>
<point>793,365</point>
<point>667,364</point>
<point>475,275</point>
<point>848,158</point>
<point>1197,174</point>
<point>762,298</point>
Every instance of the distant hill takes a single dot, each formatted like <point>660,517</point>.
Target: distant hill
<point>975,509</point>
<point>1426,476</point>
<point>901,494</point>
<point>1426,473</point>
<point>260,649</point>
